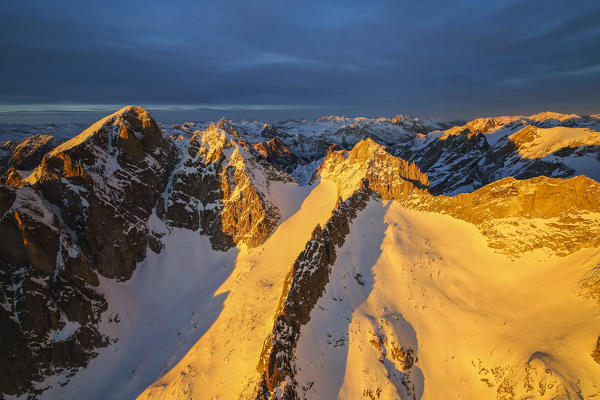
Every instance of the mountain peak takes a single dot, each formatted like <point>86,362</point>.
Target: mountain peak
<point>479,125</point>
<point>132,122</point>
<point>368,159</point>
<point>546,115</point>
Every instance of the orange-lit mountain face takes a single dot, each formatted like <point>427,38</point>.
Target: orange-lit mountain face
<point>337,258</point>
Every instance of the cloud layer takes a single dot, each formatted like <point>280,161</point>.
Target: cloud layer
<point>381,57</point>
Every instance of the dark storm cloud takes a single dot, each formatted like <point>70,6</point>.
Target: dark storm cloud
<point>379,57</point>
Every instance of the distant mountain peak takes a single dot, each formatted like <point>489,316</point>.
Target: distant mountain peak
<point>546,115</point>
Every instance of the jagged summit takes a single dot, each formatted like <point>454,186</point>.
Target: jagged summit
<point>130,121</point>
<point>369,160</point>
<point>222,187</point>
<point>480,125</point>
<point>130,136</point>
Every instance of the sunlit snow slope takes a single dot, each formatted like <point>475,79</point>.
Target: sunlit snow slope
<point>197,315</point>
<point>418,306</point>
<point>222,364</point>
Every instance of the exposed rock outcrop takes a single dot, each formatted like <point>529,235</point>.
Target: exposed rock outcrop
<point>596,352</point>
<point>221,188</point>
<point>296,154</point>
<point>458,161</point>
<point>589,285</point>
<point>49,308</point>
<point>564,206</point>
<point>27,153</point>
<point>560,216</point>
<point>275,152</point>
<point>389,175</point>
<point>11,177</point>
<point>303,286</point>
<point>84,211</point>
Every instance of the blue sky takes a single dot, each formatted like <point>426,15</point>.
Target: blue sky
<point>462,58</point>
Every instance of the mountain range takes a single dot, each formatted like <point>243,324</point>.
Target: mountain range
<point>387,258</point>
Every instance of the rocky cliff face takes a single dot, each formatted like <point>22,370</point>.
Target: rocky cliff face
<point>105,183</point>
<point>11,177</point>
<point>568,210</point>
<point>84,211</point>
<point>275,152</point>
<point>221,188</point>
<point>454,162</point>
<point>364,172</point>
<point>79,214</point>
<point>369,160</point>
<point>298,155</point>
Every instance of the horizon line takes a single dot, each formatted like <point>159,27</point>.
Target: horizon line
<point>103,107</point>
